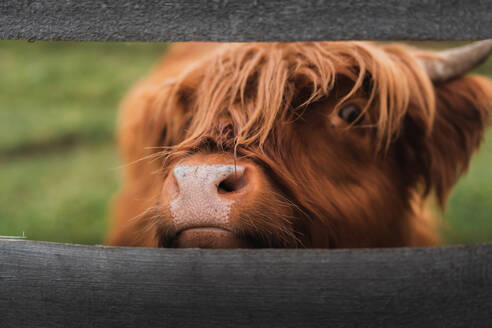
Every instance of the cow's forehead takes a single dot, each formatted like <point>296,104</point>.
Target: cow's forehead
<point>256,85</point>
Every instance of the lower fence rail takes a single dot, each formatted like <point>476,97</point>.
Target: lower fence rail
<point>59,285</point>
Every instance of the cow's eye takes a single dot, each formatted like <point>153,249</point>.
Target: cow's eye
<point>351,114</point>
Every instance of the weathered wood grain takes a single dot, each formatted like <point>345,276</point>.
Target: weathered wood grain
<point>57,285</point>
<point>238,20</point>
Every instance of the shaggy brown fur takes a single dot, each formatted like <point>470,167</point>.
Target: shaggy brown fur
<point>330,183</point>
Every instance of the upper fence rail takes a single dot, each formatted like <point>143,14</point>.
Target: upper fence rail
<point>239,20</point>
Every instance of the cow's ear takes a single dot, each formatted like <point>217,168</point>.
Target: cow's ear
<point>463,110</point>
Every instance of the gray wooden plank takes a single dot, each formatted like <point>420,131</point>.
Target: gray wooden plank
<point>57,285</point>
<point>238,20</point>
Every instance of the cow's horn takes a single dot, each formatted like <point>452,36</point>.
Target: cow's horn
<point>453,63</point>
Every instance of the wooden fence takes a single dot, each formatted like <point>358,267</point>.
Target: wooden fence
<point>237,20</point>
<point>58,285</point>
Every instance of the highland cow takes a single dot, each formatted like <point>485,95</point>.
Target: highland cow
<point>318,145</point>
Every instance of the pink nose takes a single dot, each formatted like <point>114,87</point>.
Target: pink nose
<point>201,198</point>
<point>208,180</point>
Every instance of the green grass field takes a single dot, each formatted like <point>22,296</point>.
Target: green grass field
<point>58,164</point>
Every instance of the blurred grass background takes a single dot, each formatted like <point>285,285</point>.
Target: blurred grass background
<point>58,162</point>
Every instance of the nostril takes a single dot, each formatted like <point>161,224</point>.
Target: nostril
<point>233,183</point>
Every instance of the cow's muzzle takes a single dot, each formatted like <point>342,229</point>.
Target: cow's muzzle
<point>205,195</point>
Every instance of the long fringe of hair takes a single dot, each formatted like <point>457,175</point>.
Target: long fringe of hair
<point>261,87</point>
